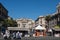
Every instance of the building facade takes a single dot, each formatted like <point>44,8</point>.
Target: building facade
<point>24,25</point>
<point>40,21</point>
<point>55,18</point>
<point>3,12</point>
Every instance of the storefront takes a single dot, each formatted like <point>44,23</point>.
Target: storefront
<point>24,31</point>
<point>40,31</point>
<point>56,32</point>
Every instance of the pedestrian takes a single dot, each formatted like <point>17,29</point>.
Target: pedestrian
<point>4,36</point>
<point>7,33</point>
<point>14,35</point>
<point>18,35</point>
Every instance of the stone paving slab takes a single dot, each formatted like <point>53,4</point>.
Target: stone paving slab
<point>36,38</point>
<point>41,38</point>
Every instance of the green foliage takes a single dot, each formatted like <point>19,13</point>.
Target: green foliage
<point>48,17</point>
<point>9,23</point>
<point>57,26</point>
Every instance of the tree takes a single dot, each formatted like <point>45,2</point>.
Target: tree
<point>9,23</point>
<point>57,26</point>
<point>47,18</point>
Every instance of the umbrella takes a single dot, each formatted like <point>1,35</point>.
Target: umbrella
<point>40,28</point>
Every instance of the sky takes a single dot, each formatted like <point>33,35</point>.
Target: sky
<point>31,9</point>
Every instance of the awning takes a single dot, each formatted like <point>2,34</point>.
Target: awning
<point>56,29</point>
<point>40,28</point>
<point>49,30</point>
<point>18,28</point>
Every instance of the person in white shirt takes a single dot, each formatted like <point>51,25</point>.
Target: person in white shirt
<point>18,35</point>
<point>14,35</point>
<point>7,33</point>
